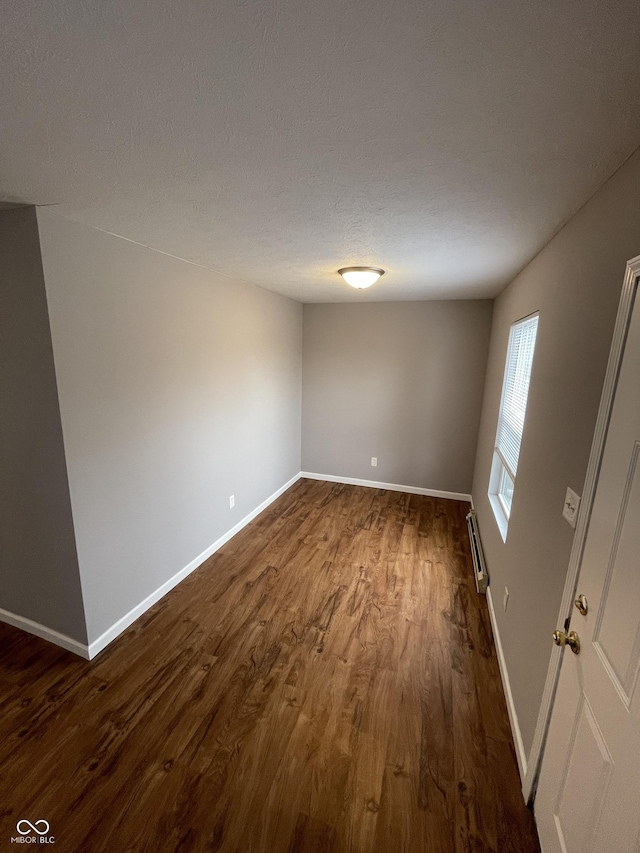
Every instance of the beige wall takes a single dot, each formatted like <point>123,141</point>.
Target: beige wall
<point>178,387</point>
<point>39,578</point>
<point>399,381</point>
<point>574,283</point>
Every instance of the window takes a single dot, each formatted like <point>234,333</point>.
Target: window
<point>513,408</point>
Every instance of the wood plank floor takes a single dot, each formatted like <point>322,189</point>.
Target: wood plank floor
<point>326,683</point>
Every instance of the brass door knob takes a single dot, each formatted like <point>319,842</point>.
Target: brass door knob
<point>571,639</point>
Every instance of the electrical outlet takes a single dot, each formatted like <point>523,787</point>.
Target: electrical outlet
<point>505,600</point>
<point>571,507</point>
<point>374,461</point>
<point>232,501</point>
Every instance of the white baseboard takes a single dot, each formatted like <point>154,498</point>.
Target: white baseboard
<point>44,633</point>
<point>392,487</point>
<point>511,708</point>
<point>91,650</point>
<point>122,624</point>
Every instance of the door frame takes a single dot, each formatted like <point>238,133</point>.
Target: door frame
<point>616,353</point>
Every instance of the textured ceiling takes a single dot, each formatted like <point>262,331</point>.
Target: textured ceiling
<point>444,140</point>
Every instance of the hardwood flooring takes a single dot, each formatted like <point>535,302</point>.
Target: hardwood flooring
<point>325,683</point>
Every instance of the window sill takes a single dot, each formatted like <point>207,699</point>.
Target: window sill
<point>501,518</point>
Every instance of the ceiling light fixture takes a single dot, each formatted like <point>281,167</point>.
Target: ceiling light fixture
<point>361,277</point>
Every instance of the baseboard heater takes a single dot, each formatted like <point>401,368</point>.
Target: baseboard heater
<point>479,565</point>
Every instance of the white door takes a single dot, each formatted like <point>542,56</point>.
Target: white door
<point>588,798</point>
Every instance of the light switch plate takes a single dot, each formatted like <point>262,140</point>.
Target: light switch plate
<point>571,507</point>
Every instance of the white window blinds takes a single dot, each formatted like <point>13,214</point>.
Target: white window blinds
<point>522,342</point>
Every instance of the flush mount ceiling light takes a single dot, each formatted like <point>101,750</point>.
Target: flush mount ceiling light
<point>361,277</point>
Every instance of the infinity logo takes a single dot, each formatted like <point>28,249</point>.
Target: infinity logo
<point>32,827</point>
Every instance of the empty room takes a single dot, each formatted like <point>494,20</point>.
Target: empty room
<point>319,426</point>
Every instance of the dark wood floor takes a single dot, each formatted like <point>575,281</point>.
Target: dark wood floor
<point>325,683</point>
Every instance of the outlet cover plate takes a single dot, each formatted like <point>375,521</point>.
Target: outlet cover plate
<point>571,507</point>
